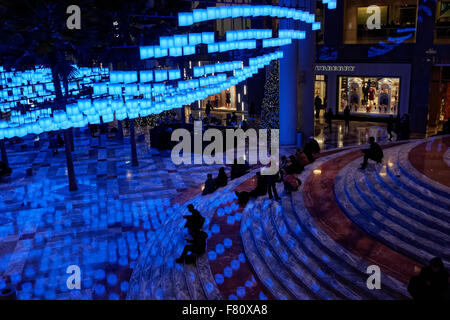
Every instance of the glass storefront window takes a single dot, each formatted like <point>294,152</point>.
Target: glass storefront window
<point>369,96</point>
<point>443,22</point>
<point>380,20</point>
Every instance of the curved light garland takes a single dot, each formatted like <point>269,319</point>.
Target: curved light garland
<point>115,99</point>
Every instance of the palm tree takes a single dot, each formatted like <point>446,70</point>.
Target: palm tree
<point>35,33</point>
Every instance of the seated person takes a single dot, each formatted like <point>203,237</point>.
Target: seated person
<point>374,153</point>
<point>301,158</point>
<point>210,185</point>
<point>195,221</point>
<point>222,178</point>
<point>432,282</point>
<point>284,163</point>
<point>4,169</point>
<point>311,148</point>
<point>260,190</point>
<point>294,167</point>
<point>196,246</point>
<point>446,127</point>
<point>291,182</point>
<point>238,170</point>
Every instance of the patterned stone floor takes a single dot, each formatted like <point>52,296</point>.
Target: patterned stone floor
<point>103,226</point>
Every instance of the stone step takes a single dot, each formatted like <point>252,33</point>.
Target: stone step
<point>206,278</point>
<point>423,223</point>
<point>263,270</point>
<point>409,190</point>
<point>157,276</point>
<point>304,266</point>
<point>407,170</point>
<point>350,269</point>
<point>385,223</point>
<point>377,225</point>
<point>330,268</point>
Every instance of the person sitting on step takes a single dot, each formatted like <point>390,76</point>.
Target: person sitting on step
<point>312,148</point>
<point>195,221</point>
<point>433,282</point>
<point>196,246</point>
<point>222,178</point>
<point>294,166</point>
<point>260,190</point>
<point>4,169</point>
<point>301,157</point>
<point>210,185</point>
<point>374,153</point>
<point>291,182</point>
<point>239,168</point>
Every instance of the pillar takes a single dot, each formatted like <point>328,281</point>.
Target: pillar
<point>306,62</point>
<point>288,85</point>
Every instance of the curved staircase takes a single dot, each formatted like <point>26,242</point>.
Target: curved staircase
<point>394,216</point>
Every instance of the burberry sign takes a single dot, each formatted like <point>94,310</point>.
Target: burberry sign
<point>336,68</point>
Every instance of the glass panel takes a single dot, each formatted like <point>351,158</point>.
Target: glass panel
<point>369,96</point>
<point>391,21</point>
<point>443,22</point>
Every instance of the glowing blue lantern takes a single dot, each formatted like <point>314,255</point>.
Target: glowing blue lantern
<point>147,52</point>
<point>213,48</point>
<point>131,90</point>
<point>93,118</point>
<point>208,37</point>
<point>108,117</point>
<point>166,42</point>
<point>145,88</point>
<point>200,15</point>
<point>212,13</point>
<point>130,77</point>
<point>176,52</point>
<point>185,19</point>
<point>223,13</point>
<point>115,89</point>
<point>199,71</point>
<point>195,38</point>
<point>188,50</point>
<point>174,74</point>
<point>146,76</point>
<point>160,75</point>
<point>46,123</point>
<point>180,40</point>
<point>159,88</point>
<point>209,69</point>
<point>159,52</point>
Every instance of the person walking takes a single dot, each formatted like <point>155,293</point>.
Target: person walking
<point>347,119</point>
<point>329,119</point>
<point>390,127</point>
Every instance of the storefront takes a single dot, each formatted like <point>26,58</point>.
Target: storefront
<point>370,90</point>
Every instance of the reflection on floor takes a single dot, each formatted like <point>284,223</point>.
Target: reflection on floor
<point>357,134</point>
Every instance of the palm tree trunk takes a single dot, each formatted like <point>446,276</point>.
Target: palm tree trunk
<point>119,130</point>
<point>60,101</point>
<point>4,154</point>
<point>134,158</point>
<point>66,95</point>
<point>70,169</point>
<point>3,150</point>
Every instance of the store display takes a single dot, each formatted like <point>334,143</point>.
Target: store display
<point>370,96</point>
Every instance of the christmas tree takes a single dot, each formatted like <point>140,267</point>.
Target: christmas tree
<point>271,103</point>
